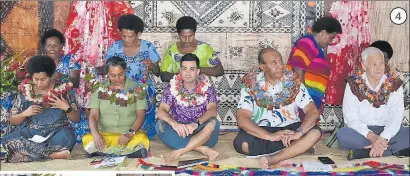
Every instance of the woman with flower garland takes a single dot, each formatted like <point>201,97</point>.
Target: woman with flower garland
<point>44,107</point>
<point>209,62</point>
<point>187,113</point>
<point>142,59</point>
<point>373,110</point>
<point>117,114</point>
<point>52,42</point>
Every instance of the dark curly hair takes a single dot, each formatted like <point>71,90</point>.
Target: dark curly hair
<point>186,22</point>
<point>41,63</point>
<point>131,22</point>
<point>384,46</point>
<point>328,23</point>
<point>52,33</point>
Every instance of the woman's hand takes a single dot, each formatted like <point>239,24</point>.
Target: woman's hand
<point>148,63</point>
<point>124,139</point>
<point>99,141</point>
<point>60,103</point>
<point>32,110</point>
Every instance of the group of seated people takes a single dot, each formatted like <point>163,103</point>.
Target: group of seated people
<point>122,117</point>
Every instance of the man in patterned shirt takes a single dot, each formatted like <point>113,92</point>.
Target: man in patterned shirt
<point>187,113</point>
<point>268,113</point>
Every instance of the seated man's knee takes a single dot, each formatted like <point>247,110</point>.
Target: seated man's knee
<point>159,126</point>
<point>211,125</point>
<point>241,146</point>
<point>245,147</point>
<point>343,136</point>
<point>216,125</point>
<point>316,133</point>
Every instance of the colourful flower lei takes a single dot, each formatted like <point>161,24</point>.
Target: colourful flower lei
<point>359,88</point>
<point>120,97</point>
<point>196,98</point>
<point>290,84</point>
<point>26,88</point>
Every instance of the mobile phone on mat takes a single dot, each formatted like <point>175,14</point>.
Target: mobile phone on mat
<point>326,160</point>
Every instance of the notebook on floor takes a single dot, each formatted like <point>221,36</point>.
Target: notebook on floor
<point>194,162</point>
<point>258,156</point>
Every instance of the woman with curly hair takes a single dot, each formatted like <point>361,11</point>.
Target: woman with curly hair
<point>43,108</point>
<point>209,61</point>
<point>52,43</point>
<point>142,60</point>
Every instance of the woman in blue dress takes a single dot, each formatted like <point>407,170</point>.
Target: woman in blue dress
<point>44,107</point>
<point>52,42</point>
<point>142,59</point>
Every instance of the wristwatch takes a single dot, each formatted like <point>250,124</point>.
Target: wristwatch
<point>131,131</point>
<point>68,110</point>
<point>300,130</point>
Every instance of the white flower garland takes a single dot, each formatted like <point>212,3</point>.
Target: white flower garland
<point>186,99</point>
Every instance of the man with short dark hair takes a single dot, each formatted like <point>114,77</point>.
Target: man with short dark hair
<point>187,113</point>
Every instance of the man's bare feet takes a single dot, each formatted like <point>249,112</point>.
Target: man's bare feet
<point>65,154</point>
<point>212,154</point>
<point>263,163</point>
<point>172,156</point>
<point>266,161</point>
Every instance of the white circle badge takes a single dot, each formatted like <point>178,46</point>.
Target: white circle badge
<point>398,15</point>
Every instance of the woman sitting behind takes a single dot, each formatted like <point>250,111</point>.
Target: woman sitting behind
<point>209,63</point>
<point>117,114</point>
<point>43,107</point>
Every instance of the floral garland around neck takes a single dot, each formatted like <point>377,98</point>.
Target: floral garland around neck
<point>290,84</point>
<point>359,88</point>
<point>119,97</point>
<point>26,88</point>
<point>186,99</point>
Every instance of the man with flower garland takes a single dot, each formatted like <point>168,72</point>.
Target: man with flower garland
<point>373,110</point>
<point>268,113</point>
<point>187,113</point>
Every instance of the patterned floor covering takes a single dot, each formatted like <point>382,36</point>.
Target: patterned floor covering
<point>228,159</point>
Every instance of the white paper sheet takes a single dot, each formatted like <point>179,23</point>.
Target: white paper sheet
<point>111,161</point>
<point>317,167</point>
<point>39,139</point>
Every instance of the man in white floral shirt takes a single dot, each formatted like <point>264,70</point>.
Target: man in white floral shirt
<point>268,113</point>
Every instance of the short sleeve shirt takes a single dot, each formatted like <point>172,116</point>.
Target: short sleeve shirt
<point>281,117</point>
<point>114,118</point>
<point>187,114</point>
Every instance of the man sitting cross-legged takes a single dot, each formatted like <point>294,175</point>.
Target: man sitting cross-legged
<point>187,113</point>
<point>373,110</point>
<point>268,113</point>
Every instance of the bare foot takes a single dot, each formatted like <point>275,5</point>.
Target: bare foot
<point>65,154</point>
<point>212,154</point>
<point>169,157</point>
<point>263,163</point>
<point>266,162</point>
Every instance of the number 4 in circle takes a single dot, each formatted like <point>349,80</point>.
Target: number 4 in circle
<point>398,15</point>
